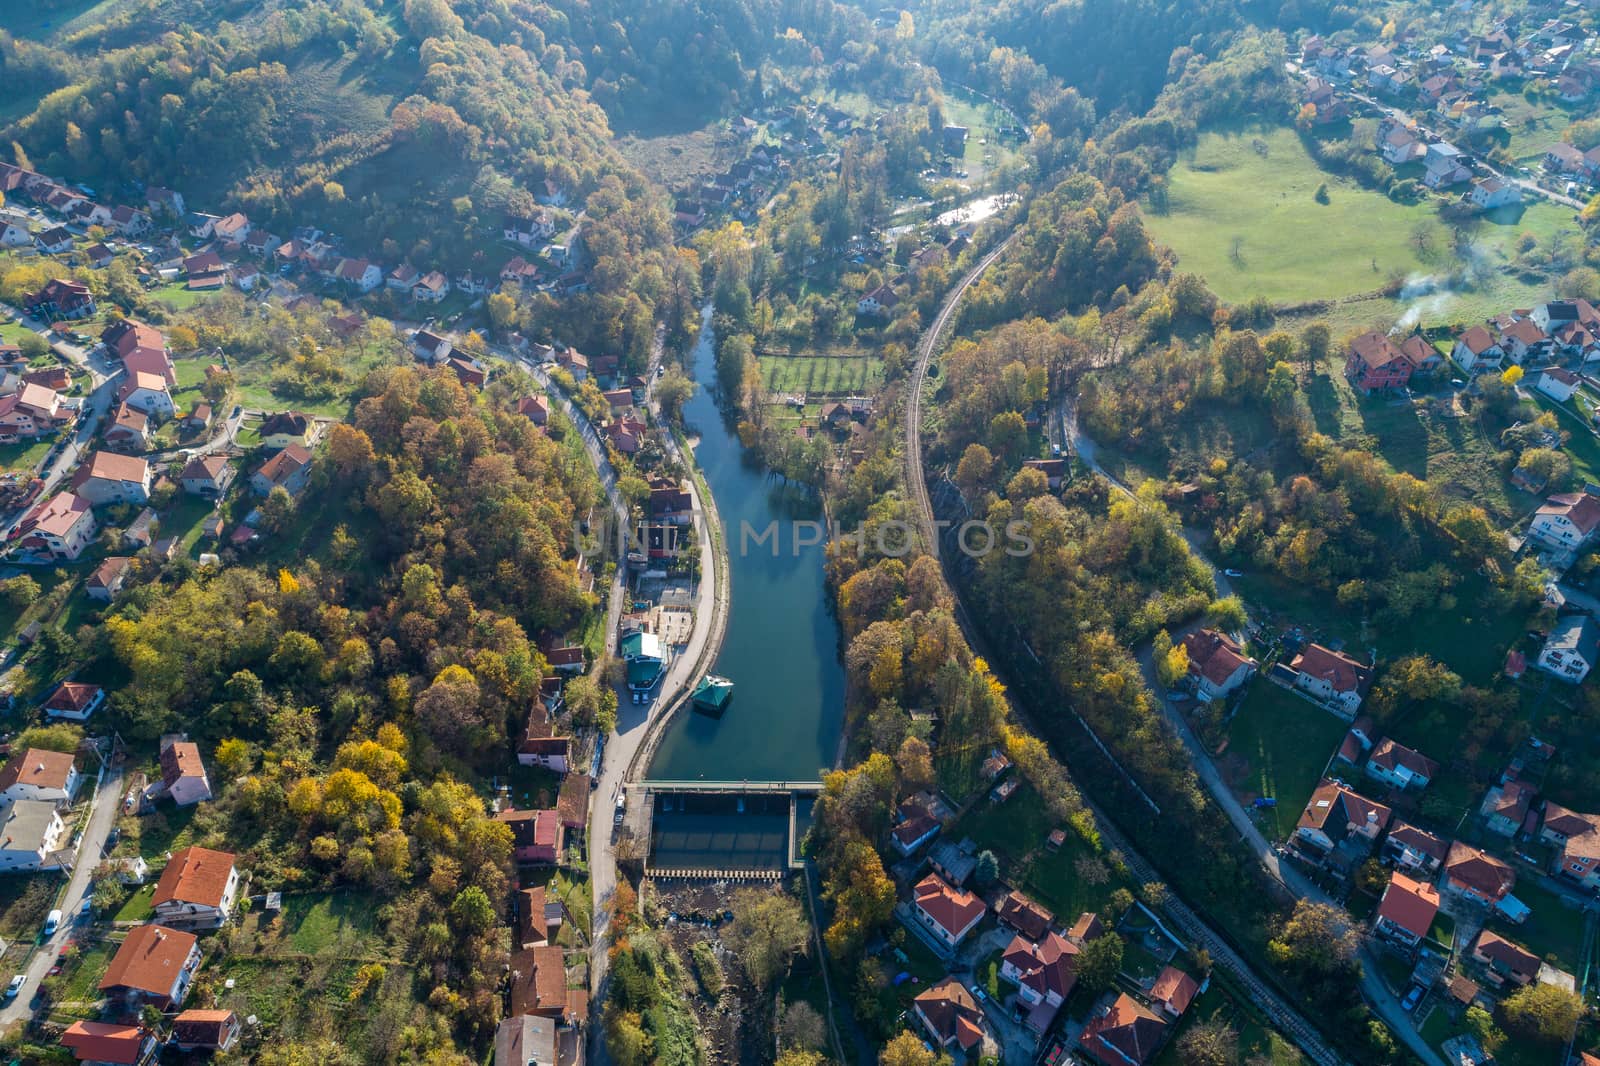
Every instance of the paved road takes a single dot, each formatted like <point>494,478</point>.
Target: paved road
<point>104,805</point>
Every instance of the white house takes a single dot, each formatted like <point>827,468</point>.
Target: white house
<point>147,392</point>
<point>14,231</point>
<point>1331,677</point>
<point>1523,340</point>
<point>1486,194</point>
<point>360,274</point>
<point>1444,167</point>
<point>183,775</point>
<point>74,701</point>
<point>30,833</point>
<point>1400,146</point>
<point>1556,383</point>
<point>107,477</point>
<point>1216,663</point>
<point>1566,521</point>
<point>197,889</point>
<point>36,774</point>
<point>947,913</point>
<point>1334,812</point>
<point>878,302</point>
<point>1476,350</point>
<point>61,527</point>
<point>1399,766</point>
<point>1571,649</point>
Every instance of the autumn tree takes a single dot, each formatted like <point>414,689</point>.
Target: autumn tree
<point>768,930</point>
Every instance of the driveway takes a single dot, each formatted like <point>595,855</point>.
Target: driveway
<point>103,808</point>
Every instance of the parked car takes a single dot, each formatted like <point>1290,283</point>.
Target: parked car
<point>1233,573</point>
<point>1413,997</point>
<point>52,922</point>
<point>15,986</point>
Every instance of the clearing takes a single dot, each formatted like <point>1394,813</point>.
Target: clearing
<point>1278,745</point>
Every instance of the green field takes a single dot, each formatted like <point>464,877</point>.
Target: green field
<point>830,375</point>
<point>1278,745</point>
<point>1242,213</point>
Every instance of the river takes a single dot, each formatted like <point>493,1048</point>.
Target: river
<point>781,648</point>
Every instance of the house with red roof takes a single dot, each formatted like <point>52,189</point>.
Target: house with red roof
<point>1173,992</point>
<point>74,701</point>
<point>155,965</point>
<point>1336,812</point>
<point>1504,961</point>
<point>1334,679</point>
<point>541,745</point>
<point>950,1016</point>
<point>197,889</point>
<point>1398,766</point>
<point>1217,663</point>
<point>1566,521</point>
<point>1373,363</point>
<point>1126,1033</point>
<point>37,774</point>
<point>109,1044</point>
<point>1476,351</point>
<point>107,477</point>
<point>1044,971</point>
<point>1415,849</point>
<point>206,1030</point>
<point>183,773</point>
<point>60,527</point>
<point>948,913</point>
<point>1505,807</point>
<point>536,836</point>
<point>1476,875</point>
<point>1406,911</point>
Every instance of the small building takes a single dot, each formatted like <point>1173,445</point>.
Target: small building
<point>1415,849</point>
<point>536,836</point>
<point>913,831</point>
<point>430,347</point>
<point>949,914</point>
<point>37,774</point>
<point>1556,383</point>
<point>1173,992</point>
<point>878,303</point>
<point>1405,913</point>
<point>207,476</point>
<point>541,746</point>
<point>1571,649</point>
<point>197,889</point>
<point>1504,961</point>
<point>74,701</point>
<point>206,1030</point>
<point>1476,351</point>
<point>155,966</point>
<point>284,428</point>
<point>1020,912</point>
<point>1505,807</point>
<point>534,408</point>
<point>109,1044</point>
<point>183,773</point>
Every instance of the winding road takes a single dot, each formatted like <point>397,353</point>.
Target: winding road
<point>1262,994</point>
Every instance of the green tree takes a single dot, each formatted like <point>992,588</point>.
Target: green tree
<point>987,870</point>
<point>1099,962</point>
<point>768,930</point>
<point>1545,1014</point>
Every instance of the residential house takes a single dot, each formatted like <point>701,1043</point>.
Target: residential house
<point>74,701</point>
<point>1567,521</point>
<point>130,221</point>
<point>1487,194</point>
<point>1217,663</point>
<point>1400,146</point>
<point>1556,383</point>
<point>99,256</point>
<point>1336,680</point>
<point>124,335</point>
<point>1523,340</point>
<point>671,502</point>
<point>1476,350</point>
<point>1505,807</point>
<point>155,966</point>
<point>109,1043</point>
<point>1572,648</point>
<point>530,232</point>
<point>1444,166</point>
<point>430,347</point>
<point>1406,911</point>
<point>60,527</point>
<point>1335,812</point>
<point>1504,961</point>
<point>1415,849</point>
<point>129,430</point>
<point>206,1030</point>
<point>1124,1034</point>
<point>1374,363</point>
<point>60,298</point>
<point>360,274</point>
<point>14,232</point>
<point>950,1017</point>
<point>198,419</point>
<point>1173,992</point>
<point>914,830</point>
<point>431,288</point>
<point>31,412</point>
<point>949,914</point>
<point>1476,875</point>
<point>207,476</point>
<point>231,229</point>
<point>31,832</point>
<point>1562,158</point>
<point>290,470</point>
<point>183,773</point>
<point>260,242</point>
<point>57,240</point>
<point>535,408</point>
<point>164,201</point>
<point>928,256</point>
<point>1561,824</point>
<point>878,303</point>
<point>626,434</point>
<point>280,430</point>
<point>1579,858</point>
<point>1044,972</point>
<point>148,393</point>
<point>519,272</point>
<point>245,276</point>
<point>197,889</point>
<point>541,745</point>
<point>1397,765</point>
<point>403,278</point>
<point>470,372</point>
<point>1020,912</point>
<point>534,1040</point>
<point>106,477</point>
<point>536,836</point>
<point>1052,469</point>
<point>1424,357</point>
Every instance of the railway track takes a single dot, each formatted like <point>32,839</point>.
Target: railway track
<point>1263,995</point>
